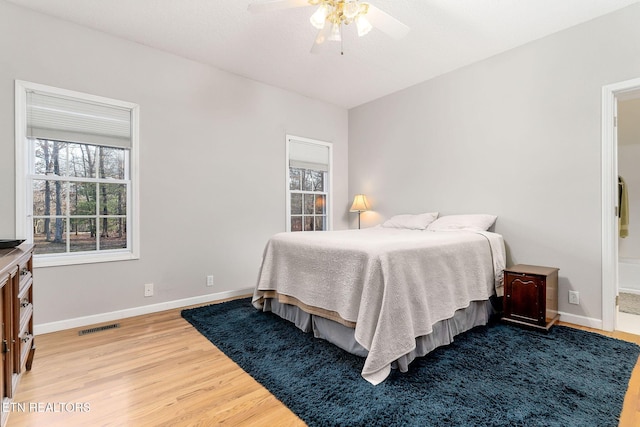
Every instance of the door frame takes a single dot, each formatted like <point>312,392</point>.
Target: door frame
<point>609,170</point>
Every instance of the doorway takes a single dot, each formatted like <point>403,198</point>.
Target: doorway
<point>618,101</point>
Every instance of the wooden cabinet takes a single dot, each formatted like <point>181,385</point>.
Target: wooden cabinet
<point>6,378</point>
<point>531,296</point>
<point>16,311</point>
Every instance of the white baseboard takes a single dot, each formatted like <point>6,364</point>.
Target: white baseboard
<point>136,311</point>
<point>629,291</point>
<point>589,322</point>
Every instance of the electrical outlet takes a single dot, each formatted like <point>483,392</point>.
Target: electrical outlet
<point>574,297</point>
<point>148,290</point>
<point>209,280</point>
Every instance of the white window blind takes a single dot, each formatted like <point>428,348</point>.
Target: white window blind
<point>58,118</point>
<point>304,155</point>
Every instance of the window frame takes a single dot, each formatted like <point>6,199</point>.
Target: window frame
<point>328,186</point>
<point>24,191</point>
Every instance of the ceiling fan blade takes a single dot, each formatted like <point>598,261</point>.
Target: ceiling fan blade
<point>267,6</point>
<point>321,38</point>
<point>386,23</point>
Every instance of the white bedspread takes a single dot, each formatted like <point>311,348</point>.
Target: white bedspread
<point>393,283</point>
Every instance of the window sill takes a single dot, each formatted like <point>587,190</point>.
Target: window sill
<point>60,260</point>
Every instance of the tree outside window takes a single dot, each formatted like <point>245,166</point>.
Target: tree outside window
<point>79,197</point>
<point>308,200</point>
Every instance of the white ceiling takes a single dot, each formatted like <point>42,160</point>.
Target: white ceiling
<point>274,47</point>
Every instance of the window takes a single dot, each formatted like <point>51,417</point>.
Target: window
<point>308,184</point>
<point>76,166</point>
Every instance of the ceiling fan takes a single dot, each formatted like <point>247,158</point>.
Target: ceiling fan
<point>332,15</point>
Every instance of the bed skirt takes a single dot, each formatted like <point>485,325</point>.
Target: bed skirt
<point>476,314</point>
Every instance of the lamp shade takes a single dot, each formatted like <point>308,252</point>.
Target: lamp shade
<point>360,203</point>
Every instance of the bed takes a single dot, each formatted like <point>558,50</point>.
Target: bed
<point>388,293</point>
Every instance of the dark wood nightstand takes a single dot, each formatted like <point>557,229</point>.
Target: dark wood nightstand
<point>531,296</point>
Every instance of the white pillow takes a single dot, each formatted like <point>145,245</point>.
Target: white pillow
<point>479,222</point>
<point>412,222</point>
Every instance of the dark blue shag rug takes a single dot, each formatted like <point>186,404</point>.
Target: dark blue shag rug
<point>495,375</point>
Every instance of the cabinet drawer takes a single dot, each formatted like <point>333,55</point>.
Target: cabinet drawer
<point>25,342</point>
<point>26,313</point>
<point>25,275</point>
<point>24,305</point>
<point>25,292</point>
<point>26,310</point>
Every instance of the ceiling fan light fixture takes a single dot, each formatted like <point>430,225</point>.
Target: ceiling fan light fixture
<point>363,26</point>
<point>350,10</point>
<point>319,17</point>
<point>335,32</point>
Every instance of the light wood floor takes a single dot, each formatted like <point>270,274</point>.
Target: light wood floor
<point>157,370</point>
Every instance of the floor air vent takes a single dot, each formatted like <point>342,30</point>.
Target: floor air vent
<point>98,329</point>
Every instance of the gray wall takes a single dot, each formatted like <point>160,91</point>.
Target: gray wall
<point>212,164</point>
<point>517,135</point>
